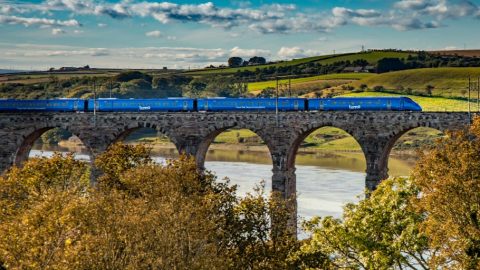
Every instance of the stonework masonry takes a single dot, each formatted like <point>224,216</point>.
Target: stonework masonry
<point>192,133</point>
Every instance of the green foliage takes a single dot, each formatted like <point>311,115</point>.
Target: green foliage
<point>133,75</point>
<point>55,135</point>
<point>381,232</point>
<point>235,62</point>
<point>389,64</point>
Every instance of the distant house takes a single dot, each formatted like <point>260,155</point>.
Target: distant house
<point>68,69</point>
<point>365,69</point>
<point>353,69</point>
<point>370,68</point>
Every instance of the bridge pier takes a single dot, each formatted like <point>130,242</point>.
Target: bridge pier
<point>376,150</point>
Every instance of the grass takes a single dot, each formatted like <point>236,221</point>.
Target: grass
<point>235,136</point>
<point>448,82</point>
<point>323,139</point>
<point>435,104</point>
<point>42,78</point>
<point>370,57</point>
<point>348,77</point>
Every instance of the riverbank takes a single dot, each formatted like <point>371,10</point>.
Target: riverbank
<point>164,146</point>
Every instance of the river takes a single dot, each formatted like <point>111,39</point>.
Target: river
<point>325,181</point>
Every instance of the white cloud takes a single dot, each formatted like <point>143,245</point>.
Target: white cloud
<point>37,21</point>
<point>266,19</point>
<point>449,48</point>
<point>440,8</point>
<point>236,51</point>
<point>102,25</point>
<point>396,20</point>
<point>295,52</point>
<point>171,37</point>
<point>58,31</point>
<point>182,57</point>
<point>363,13</point>
<point>155,34</point>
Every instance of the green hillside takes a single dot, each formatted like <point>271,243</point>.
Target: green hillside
<point>314,79</point>
<point>447,82</point>
<point>293,62</point>
<point>372,57</point>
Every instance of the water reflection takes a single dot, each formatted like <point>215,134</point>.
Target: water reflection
<point>325,180</point>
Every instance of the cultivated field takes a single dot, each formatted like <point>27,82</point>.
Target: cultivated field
<point>447,82</point>
<point>467,53</point>
<point>320,79</point>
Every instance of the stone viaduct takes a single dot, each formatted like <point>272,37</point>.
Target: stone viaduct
<point>192,133</point>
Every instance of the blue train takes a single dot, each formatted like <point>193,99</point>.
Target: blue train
<point>212,104</point>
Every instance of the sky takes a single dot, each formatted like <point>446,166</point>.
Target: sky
<point>39,34</point>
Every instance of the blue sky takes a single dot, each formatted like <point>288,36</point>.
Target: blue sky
<point>39,34</point>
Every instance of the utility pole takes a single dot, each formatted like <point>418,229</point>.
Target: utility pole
<point>478,94</point>
<point>290,87</point>
<point>469,88</point>
<point>111,87</point>
<point>276,102</point>
<point>94,103</point>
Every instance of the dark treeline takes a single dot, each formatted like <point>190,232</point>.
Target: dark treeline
<point>130,84</point>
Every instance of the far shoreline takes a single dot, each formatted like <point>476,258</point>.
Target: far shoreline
<point>73,145</point>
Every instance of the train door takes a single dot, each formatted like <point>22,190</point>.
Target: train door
<point>185,105</point>
<point>322,105</point>
<point>389,104</point>
<point>75,105</point>
<point>295,105</point>
<point>206,105</point>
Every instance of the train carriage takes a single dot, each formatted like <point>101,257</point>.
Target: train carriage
<point>363,103</point>
<point>251,104</point>
<point>212,104</point>
<point>142,105</point>
<point>55,105</point>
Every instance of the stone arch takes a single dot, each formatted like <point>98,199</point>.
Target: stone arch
<point>29,139</point>
<point>306,131</point>
<point>395,136</point>
<point>214,132</point>
<point>126,131</point>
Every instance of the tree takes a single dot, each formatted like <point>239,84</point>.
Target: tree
<point>55,135</point>
<point>132,75</point>
<point>195,88</point>
<point>141,215</point>
<point>428,89</point>
<point>267,92</point>
<point>380,232</point>
<point>256,60</point>
<point>389,64</point>
<point>235,62</point>
<point>378,88</point>
<point>449,181</point>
